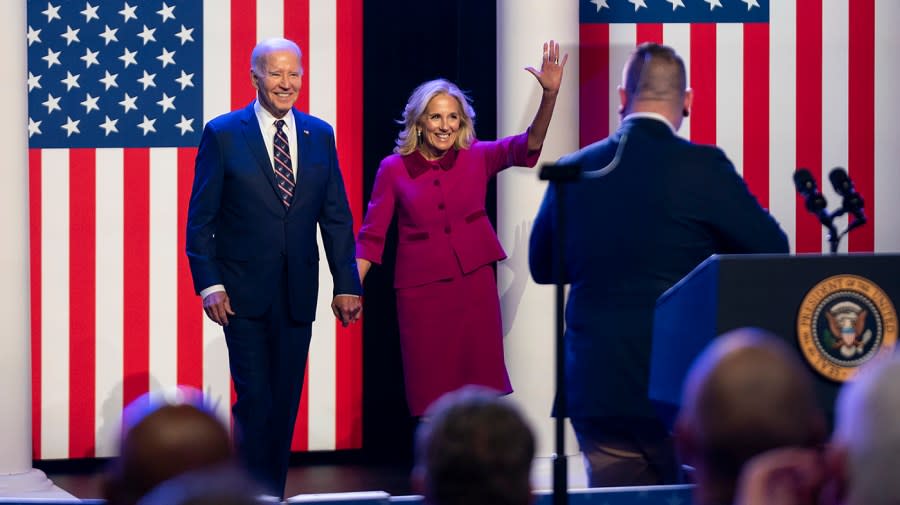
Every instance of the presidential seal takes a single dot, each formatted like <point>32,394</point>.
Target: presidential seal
<point>843,322</point>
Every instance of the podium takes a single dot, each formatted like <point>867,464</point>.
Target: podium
<point>837,311</point>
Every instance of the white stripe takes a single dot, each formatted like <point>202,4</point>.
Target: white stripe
<point>622,39</point>
<point>216,374</point>
<point>163,268</point>
<point>216,59</point>
<point>835,102</point>
<point>678,37</point>
<point>109,300</point>
<point>323,60</point>
<point>887,123</point>
<point>782,115</point>
<point>322,356</point>
<point>216,100</point>
<point>269,19</point>
<point>730,92</point>
<point>55,304</point>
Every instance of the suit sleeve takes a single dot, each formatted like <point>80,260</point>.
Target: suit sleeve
<point>203,209</point>
<point>541,244</point>
<point>740,223</point>
<point>370,245</point>
<point>508,152</point>
<point>336,223</point>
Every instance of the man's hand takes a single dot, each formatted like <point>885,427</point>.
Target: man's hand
<point>217,306</point>
<point>347,308</point>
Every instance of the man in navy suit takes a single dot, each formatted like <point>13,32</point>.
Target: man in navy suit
<point>650,208</point>
<point>265,176</point>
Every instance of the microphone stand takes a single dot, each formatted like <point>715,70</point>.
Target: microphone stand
<point>561,175</point>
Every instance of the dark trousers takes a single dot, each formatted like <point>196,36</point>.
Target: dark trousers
<point>267,356</point>
<point>626,451</point>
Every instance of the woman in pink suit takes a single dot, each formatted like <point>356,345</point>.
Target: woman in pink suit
<point>436,181</point>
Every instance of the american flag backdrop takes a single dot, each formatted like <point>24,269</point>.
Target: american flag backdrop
<point>118,93</point>
<point>779,85</point>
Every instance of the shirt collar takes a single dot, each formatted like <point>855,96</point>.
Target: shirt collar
<point>267,120</point>
<point>650,115</point>
<point>416,164</point>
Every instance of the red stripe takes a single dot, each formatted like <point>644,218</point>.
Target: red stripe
<point>756,110</point>
<point>862,117</point>
<point>809,114</point>
<point>593,83</point>
<point>34,218</point>
<point>243,39</point>
<point>702,76</point>
<point>136,275</point>
<point>348,341</point>
<point>296,28</point>
<point>300,439</point>
<point>82,301</point>
<point>649,32</point>
<point>190,315</point>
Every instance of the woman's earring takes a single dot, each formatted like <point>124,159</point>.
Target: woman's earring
<point>419,134</point>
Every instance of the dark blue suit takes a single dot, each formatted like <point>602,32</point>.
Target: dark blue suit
<point>240,235</point>
<point>631,234</point>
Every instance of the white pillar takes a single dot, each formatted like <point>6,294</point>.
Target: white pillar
<point>17,478</point>
<point>528,309</point>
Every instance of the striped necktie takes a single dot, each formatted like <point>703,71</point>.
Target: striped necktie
<point>284,175</point>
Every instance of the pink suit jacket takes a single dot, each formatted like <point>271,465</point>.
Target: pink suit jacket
<point>442,223</point>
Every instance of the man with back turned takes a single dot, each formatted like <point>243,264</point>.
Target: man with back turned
<point>650,208</point>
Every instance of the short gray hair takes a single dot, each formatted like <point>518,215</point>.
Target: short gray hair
<point>266,46</point>
<point>868,428</point>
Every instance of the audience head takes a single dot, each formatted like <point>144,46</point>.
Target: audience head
<point>865,450</point>
<point>654,80</point>
<point>473,448</point>
<point>414,115</point>
<point>164,436</point>
<point>746,393</point>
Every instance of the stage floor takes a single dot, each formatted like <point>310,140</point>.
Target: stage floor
<point>83,478</point>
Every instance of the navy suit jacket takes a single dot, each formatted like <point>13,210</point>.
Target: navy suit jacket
<point>239,234</point>
<point>631,234</point>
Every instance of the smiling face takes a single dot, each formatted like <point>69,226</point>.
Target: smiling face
<point>277,81</point>
<point>439,126</point>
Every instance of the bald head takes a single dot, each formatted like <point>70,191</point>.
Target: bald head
<point>167,441</point>
<point>655,80</point>
<point>746,393</point>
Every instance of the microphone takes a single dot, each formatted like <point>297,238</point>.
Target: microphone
<point>815,201</point>
<point>853,202</point>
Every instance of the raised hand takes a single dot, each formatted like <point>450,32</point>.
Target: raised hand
<point>551,72</point>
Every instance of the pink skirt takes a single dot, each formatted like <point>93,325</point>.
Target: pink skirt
<point>451,335</point>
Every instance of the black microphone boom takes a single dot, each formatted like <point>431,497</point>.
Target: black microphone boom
<point>815,201</point>
<point>816,204</point>
<point>853,203</point>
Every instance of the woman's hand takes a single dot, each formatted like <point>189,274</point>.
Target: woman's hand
<point>550,75</point>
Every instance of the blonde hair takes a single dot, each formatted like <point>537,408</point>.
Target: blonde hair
<point>408,138</point>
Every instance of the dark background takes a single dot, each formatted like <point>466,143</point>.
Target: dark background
<point>408,42</point>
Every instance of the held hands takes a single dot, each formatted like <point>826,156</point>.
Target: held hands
<point>550,75</point>
<point>347,308</point>
<point>217,306</point>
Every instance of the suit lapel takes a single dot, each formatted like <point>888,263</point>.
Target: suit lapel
<point>302,132</point>
<point>257,146</point>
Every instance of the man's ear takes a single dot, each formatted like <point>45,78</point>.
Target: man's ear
<point>685,441</point>
<point>838,483</point>
<point>688,101</point>
<point>254,80</point>
<point>623,100</point>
